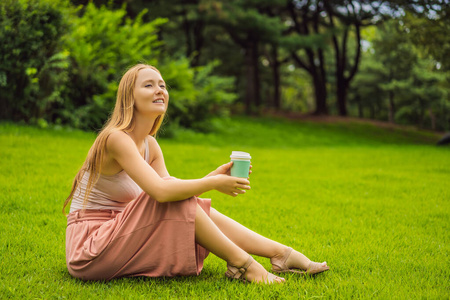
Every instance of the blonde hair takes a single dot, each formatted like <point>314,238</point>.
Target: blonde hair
<point>122,119</point>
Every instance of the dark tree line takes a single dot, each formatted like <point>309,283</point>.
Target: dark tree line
<point>321,37</point>
<point>269,48</point>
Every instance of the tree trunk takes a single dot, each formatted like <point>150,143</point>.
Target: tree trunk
<point>193,31</point>
<point>341,93</point>
<point>198,42</point>
<point>320,95</point>
<point>433,119</point>
<point>391,107</point>
<point>421,113</point>
<point>360,107</point>
<point>276,79</point>
<point>252,98</point>
<point>318,73</point>
<point>340,51</point>
<point>187,33</point>
<point>319,82</point>
<point>372,111</point>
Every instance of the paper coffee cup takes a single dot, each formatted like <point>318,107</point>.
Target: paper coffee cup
<point>241,164</point>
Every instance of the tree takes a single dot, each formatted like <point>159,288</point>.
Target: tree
<point>395,52</point>
<point>248,28</point>
<point>254,39</point>
<point>397,84</point>
<point>331,22</point>
<point>305,22</point>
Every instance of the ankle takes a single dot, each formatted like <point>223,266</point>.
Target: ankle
<point>279,252</point>
<point>238,260</point>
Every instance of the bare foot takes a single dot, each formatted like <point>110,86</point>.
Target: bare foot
<point>293,261</point>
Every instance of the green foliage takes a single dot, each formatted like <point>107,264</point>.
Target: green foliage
<point>396,82</point>
<point>33,65</point>
<point>297,91</point>
<point>431,35</point>
<point>196,95</point>
<point>425,101</point>
<point>102,44</point>
<point>62,65</point>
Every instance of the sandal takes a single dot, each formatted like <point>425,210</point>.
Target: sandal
<point>279,265</point>
<point>238,273</point>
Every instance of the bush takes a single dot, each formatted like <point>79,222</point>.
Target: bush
<point>32,64</point>
<point>72,79</point>
<point>196,95</point>
<point>103,43</point>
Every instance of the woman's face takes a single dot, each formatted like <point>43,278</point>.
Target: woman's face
<point>150,93</point>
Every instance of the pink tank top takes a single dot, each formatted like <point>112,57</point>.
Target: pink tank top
<point>109,192</point>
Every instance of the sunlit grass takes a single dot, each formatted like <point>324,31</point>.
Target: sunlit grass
<point>373,203</point>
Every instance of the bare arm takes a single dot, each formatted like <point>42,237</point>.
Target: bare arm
<point>157,161</point>
<point>122,148</point>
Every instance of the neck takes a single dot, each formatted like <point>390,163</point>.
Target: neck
<point>142,127</point>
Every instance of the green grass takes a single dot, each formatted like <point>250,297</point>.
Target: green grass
<point>372,202</point>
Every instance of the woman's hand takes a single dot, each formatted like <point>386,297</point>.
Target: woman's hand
<point>232,186</point>
<point>225,169</point>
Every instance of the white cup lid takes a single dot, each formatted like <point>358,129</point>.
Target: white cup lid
<point>240,154</point>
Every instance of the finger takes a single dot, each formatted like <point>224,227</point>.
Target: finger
<point>239,191</point>
<point>240,180</point>
<point>227,165</point>
<point>243,187</point>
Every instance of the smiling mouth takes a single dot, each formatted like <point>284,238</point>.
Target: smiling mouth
<point>158,101</point>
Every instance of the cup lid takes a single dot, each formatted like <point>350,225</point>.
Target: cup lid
<point>240,154</point>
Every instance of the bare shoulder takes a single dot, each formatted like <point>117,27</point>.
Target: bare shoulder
<point>117,141</point>
<point>152,142</point>
<point>151,139</point>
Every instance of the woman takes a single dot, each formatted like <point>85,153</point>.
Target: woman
<point>128,217</point>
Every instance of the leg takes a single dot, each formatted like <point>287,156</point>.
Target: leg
<point>246,239</point>
<point>257,244</point>
<point>209,236</point>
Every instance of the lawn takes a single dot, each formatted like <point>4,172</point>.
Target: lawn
<point>373,202</point>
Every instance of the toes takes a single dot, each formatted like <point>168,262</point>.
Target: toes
<point>271,278</point>
<point>278,280</point>
<point>315,268</point>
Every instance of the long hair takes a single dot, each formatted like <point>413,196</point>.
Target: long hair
<point>122,119</point>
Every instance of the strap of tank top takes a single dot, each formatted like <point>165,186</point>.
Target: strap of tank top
<point>146,150</point>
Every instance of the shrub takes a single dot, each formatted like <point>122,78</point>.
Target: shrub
<point>32,64</point>
<point>102,44</point>
<point>196,95</point>
<point>61,65</point>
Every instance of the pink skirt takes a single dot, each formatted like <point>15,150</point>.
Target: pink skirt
<point>147,238</point>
